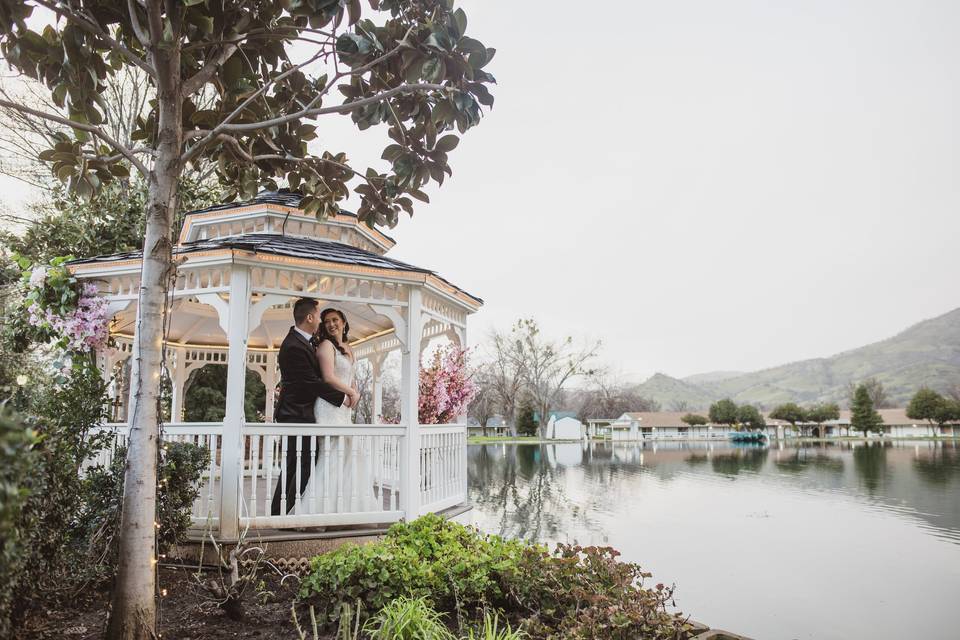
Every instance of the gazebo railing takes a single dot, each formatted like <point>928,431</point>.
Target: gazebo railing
<point>206,508</point>
<point>355,475</point>
<point>443,466</point>
<point>358,472</point>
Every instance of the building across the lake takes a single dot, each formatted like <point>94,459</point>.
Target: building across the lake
<point>668,425</point>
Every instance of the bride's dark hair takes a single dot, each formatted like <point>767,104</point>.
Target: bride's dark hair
<point>322,332</point>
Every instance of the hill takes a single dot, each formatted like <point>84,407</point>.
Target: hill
<point>927,353</point>
<point>674,394</point>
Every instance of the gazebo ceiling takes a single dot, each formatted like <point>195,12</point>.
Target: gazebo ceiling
<point>192,322</point>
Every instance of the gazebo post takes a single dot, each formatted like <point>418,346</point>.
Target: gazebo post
<point>232,440</point>
<point>270,382</point>
<point>410,408</point>
<point>178,381</point>
<point>376,367</point>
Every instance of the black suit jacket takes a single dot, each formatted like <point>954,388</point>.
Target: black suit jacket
<point>300,381</point>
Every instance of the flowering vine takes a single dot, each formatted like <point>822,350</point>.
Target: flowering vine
<point>62,309</point>
<point>446,386</point>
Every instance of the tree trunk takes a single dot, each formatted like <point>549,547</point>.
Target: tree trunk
<point>133,603</point>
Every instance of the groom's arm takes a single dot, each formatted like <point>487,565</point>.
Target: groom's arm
<point>304,381</point>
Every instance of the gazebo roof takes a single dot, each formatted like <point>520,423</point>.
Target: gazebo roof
<point>283,198</point>
<point>290,246</point>
<point>286,253</point>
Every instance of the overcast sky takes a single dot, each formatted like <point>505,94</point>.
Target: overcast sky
<point>704,185</point>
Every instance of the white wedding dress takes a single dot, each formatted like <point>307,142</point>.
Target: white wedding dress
<point>340,481</point>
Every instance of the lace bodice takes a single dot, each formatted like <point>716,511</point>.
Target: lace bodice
<point>326,413</point>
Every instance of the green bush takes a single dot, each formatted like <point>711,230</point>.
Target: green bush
<point>453,566</point>
<point>16,463</point>
<point>65,527</point>
<point>181,466</point>
<point>575,592</point>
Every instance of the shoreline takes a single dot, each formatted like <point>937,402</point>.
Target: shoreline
<point>538,440</point>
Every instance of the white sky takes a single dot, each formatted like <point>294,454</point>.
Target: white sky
<point>703,185</point>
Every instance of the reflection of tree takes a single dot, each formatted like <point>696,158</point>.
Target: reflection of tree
<point>870,463</point>
<point>519,483</point>
<point>809,457</point>
<point>745,459</point>
<point>696,459</point>
<point>940,465</point>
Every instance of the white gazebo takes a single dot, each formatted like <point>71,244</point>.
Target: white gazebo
<point>240,267</point>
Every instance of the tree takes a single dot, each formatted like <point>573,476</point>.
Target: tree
<point>546,366</point>
<point>414,70</point>
<point>878,395</point>
<point>864,417</point>
<point>820,413</point>
<point>927,404</point>
<point>484,404</point>
<point>694,420</point>
<point>505,377</point>
<point>750,417</point>
<point>724,412</point>
<point>526,422</point>
<point>608,396</point>
<point>789,412</point>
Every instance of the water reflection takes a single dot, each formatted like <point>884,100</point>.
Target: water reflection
<point>528,488</point>
<point>728,522</point>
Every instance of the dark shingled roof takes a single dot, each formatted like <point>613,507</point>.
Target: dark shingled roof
<point>276,244</point>
<point>282,197</point>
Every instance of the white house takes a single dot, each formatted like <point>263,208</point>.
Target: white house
<point>566,428</point>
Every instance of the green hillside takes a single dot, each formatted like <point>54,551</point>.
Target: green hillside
<point>928,353</point>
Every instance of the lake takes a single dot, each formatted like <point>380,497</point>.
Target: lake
<point>822,540</point>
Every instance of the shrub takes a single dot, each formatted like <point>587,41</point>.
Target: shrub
<point>16,463</point>
<point>181,466</point>
<point>452,565</point>
<point>575,592</point>
<point>585,592</point>
<point>67,521</point>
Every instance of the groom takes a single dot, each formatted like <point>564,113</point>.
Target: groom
<point>300,386</point>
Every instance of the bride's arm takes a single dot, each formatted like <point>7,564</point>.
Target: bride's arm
<point>325,355</point>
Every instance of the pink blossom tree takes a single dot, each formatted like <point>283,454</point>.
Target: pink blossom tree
<point>446,386</point>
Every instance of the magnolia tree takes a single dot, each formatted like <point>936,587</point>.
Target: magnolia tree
<point>239,84</point>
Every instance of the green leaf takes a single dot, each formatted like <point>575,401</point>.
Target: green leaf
<point>447,143</point>
<point>460,20</point>
<point>433,70</point>
<point>419,195</point>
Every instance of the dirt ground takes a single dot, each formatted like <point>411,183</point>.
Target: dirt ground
<point>185,613</point>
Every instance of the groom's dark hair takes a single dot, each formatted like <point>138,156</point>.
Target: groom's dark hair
<point>302,308</point>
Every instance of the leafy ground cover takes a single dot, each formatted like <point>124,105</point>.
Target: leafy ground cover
<point>426,579</point>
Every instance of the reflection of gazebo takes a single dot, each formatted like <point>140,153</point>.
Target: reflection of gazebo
<point>240,267</point>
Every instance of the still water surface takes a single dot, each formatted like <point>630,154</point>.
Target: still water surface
<point>846,540</point>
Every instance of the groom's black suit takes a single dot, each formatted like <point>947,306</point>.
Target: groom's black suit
<point>300,386</point>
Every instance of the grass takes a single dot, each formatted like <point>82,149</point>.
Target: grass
<point>408,619</point>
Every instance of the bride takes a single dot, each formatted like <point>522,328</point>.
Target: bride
<point>340,459</point>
